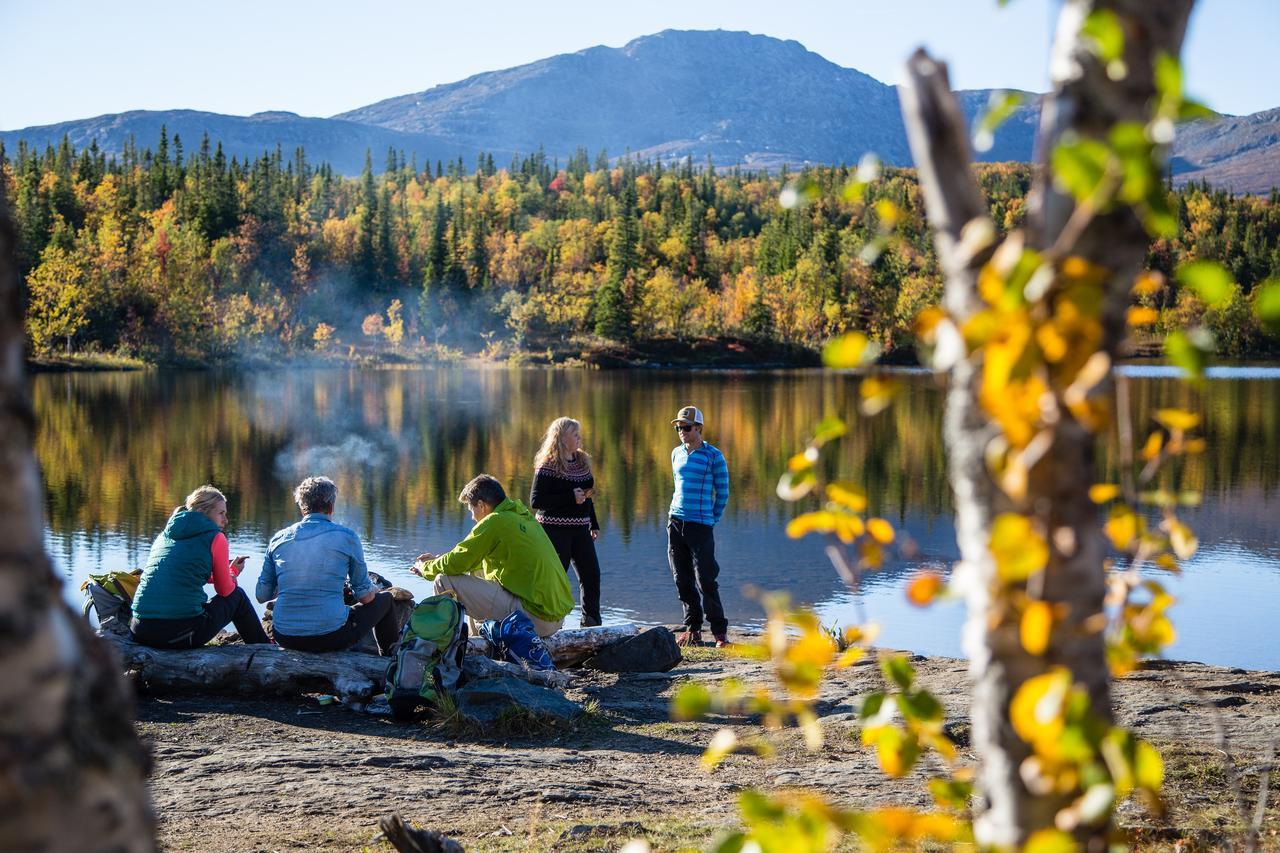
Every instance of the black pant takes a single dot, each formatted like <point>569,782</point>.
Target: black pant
<point>691,550</point>
<point>197,630</point>
<point>377,614</point>
<point>574,542</point>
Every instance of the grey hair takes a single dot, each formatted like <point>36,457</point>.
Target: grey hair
<point>204,499</point>
<point>483,488</point>
<point>316,494</point>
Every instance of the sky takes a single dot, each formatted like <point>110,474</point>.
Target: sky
<point>71,59</point>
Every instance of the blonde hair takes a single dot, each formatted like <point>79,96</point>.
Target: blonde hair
<point>204,498</point>
<point>552,452</point>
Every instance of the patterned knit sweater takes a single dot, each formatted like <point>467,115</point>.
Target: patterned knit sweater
<point>552,495</point>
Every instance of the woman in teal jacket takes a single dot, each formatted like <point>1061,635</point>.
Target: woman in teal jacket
<point>169,608</point>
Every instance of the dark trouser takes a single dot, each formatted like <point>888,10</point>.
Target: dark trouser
<point>573,542</point>
<point>377,614</point>
<point>197,630</point>
<point>691,550</point>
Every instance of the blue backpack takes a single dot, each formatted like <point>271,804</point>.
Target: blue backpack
<point>514,639</point>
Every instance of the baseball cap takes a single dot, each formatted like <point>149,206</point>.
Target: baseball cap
<point>689,414</point>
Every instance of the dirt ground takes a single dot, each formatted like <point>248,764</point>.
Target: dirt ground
<point>292,774</point>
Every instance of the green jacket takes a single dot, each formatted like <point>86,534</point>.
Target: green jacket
<point>172,585</point>
<point>511,549</point>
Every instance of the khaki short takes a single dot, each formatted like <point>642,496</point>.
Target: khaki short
<point>488,600</point>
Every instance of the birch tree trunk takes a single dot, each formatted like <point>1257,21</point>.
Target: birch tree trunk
<point>1086,102</point>
<point>71,767</point>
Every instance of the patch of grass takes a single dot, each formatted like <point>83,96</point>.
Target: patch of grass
<point>703,654</point>
<point>1201,802</point>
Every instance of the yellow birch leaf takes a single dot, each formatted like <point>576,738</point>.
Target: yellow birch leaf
<point>1123,527</point>
<point>848,527</point>
<point>1167,562</point>
<point>1184,542</point>
<point>1148,283</point>
<point>850,656</point>
<point>1036,626</point>
<point>1019,551</point>
<point>1141,315</point>
<point>724,742</point>
<point>927,321</point>
<point>924,588</point>
<point>880,530</point>
<point>1148,767</point>
<point>1100,493</point>
<point>1177,420</point>
<point>847,495</point>
<point>1151,449</point>
<point>811,522</point>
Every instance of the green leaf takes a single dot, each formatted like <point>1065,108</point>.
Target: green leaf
<point>692,702</point>
<point>828,429</point>
<point>1266,304</point>
<point>852,349</point>
<point>920,705</point>
<point>1209,279</point>
<point>898,670</point>
<point>1079,167</point>
<point>951,793</point>
<point>1168,77</point>
<point>1185,353</point>
<point>1000,107</point>
<point>1102,27</point>
<point>871,705</point>
<point>730,842</point>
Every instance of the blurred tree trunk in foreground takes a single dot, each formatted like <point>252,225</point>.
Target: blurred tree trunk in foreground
<point>71,766</point>
<point>1086,103</point>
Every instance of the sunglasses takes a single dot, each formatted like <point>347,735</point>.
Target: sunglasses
<point>684,427</point>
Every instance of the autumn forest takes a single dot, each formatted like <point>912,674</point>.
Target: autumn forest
<point>176,255</point>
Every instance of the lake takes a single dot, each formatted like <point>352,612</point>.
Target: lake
<point>120,450</point>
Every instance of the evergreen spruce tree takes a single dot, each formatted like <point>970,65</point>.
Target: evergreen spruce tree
<point>613,310</point>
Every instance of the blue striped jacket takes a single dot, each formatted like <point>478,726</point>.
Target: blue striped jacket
<point>702,484</point>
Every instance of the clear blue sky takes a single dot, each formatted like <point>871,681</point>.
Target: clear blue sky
<point>69,59</point>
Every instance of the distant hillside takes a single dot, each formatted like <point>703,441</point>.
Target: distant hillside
<point>1238,153</point>
<point>731,96</point>
<point>340,143</point>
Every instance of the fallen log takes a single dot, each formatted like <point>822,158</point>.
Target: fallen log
<point>477,667</point>
<point>274,671</point>
<point>572,646</point>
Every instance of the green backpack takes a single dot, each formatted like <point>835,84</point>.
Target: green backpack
<point>428,662</point>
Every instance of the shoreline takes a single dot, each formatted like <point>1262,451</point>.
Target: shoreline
<point>306,775</point>
<point>706,354</point>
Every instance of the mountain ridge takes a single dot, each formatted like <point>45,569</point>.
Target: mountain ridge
<point>728,96</point>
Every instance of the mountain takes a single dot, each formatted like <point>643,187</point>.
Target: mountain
<point>733,97</point>
<point>1236,152</point>
<point>340,143</point>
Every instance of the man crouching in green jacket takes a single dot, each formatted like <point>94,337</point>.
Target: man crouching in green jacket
<point>505,564</point>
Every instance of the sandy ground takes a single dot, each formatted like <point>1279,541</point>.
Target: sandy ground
<point>292,774</point>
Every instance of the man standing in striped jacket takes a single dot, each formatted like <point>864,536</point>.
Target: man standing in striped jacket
<point>702,492</point>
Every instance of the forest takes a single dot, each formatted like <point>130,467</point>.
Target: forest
<point>174,256</point>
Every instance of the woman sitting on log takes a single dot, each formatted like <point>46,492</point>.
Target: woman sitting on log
<point>169,608</point>
<point>306,567</point>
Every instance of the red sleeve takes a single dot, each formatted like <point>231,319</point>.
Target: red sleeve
<point>224,583</point>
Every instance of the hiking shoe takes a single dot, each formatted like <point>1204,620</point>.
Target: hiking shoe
<point>689,638</point>
<point>722,641</point>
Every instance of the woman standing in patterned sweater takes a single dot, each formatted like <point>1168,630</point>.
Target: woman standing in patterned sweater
<point>561,497</point>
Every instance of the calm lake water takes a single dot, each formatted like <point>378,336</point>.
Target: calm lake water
<point>120,450</point>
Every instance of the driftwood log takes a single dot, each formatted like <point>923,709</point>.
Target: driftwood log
<point>273,671</point>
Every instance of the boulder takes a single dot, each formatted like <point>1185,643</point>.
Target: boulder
<point>486,700</point>
<point>655,650</point>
